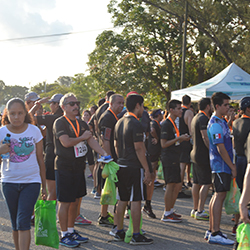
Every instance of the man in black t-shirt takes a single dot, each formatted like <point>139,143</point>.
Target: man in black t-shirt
<point>186,146</point>
<point>241,129</point>
<point>70,138</point>
<point>48,121</point>
<point>106,125</point>
<point>132,160</point>
<point>170,143</point>
<point>154,151</point>
<point>200,158</point>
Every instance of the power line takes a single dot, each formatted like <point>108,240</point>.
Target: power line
<point>52,35</point>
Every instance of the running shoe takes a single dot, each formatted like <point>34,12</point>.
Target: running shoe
<point>219,239</point>
<point>148,211</point>
<point>234,230</point>
<point>119,236</point>
<point>204,215</point>
<point>208,232</point>
<point>192,214</point>
<point>189,184</point>
<point>106,221</point>
<point>140,240</point>
<point>171,218</point>
<point>158,184</point>
<point>164,188</point>
<point>68,241</point>
<point>97,195</point>
<point>113,231</point>
<point>233,218</point>
<point>81,220</point>
<point>93,191</point>
<point>176,215</point>
<point>78,238</point>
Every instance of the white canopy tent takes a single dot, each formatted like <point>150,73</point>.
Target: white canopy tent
<point>232,81</point>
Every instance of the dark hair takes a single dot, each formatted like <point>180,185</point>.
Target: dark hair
<point>218,98</point>
<point>5,120</point>
<point>155,113</point>
<point>109,93</point>
<point>94,107</point>
<point>203,102</point>
<point>132,100</point>
<point>101,101</point>
<point>172,104</point>
<point>86,110</point>
<point>186,99</point>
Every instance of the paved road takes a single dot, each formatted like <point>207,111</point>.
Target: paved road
<point>176,236</point>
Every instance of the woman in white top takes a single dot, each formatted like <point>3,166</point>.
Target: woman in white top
<point>24,173</point>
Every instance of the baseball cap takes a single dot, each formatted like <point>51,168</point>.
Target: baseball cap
<point>55,98</point>
<point>244,102</point>
<point>31,96</point>
<point>132,93</point>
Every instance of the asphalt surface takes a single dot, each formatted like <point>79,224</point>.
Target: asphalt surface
<point>172,236</point>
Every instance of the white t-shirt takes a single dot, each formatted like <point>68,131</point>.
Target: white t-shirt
<point>23,165</point>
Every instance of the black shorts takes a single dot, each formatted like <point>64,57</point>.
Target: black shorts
<point>185,149</point>
<point>202,174</point>
<point>100,180</point>
<point>221,182</point>
<point>154,158</point>
<point>50,171</point>
<point>90,156</point>
<point>130,184</point>
<point>70,181</point>
<point>171,171</point>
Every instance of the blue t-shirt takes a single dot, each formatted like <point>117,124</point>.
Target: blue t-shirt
<point>218,132</point>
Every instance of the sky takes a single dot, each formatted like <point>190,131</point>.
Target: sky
<point>27,62</point>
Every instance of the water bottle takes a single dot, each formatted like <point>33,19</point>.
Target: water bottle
<point>6,157</point>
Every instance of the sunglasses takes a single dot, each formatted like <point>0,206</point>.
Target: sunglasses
<point>73,103</point>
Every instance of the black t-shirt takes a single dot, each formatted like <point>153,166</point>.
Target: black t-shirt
<point>128,130</point>
<point>168,132</point>
<point>61,127</point>
<point>101,110</point>
<point>154,149</point>
<point>241,129</point>
<point>183,127</point>
<point>106,125</point>
<point>199,153</point>
<point>48,121</point>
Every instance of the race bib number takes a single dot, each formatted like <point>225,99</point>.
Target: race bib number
<point>80,149</point>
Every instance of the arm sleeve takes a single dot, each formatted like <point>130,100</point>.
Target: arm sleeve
<point>216,133</point>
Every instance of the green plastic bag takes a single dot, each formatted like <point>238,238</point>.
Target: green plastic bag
<point>45,224</point>
<point>232,199</point>
<point>108,196</point>
<point>160,174</point>
<point>110,169</point>
<point>243,236</point>
<point>129,232</point>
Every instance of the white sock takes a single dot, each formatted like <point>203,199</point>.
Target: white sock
<point>171,210</point>
<point>166,213</point>
<point>70,230</point>
<point>63,233</point>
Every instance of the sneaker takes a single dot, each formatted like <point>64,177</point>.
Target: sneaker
<point>78,238</point>
<point>140,240</point>
<point>176,215</point>
<point>67,241</point>
<point>97,196</point>
<point>148,211</point>
<point>106,221</point>
<point>233,218</point>
<point>189,184</point>
<point>143,232</point>
<point>219,239</point>
<point>204,215</point>
<point>93,191</point>
<point>192,214</point>
<point>184,186</point>
<point>208,232</point>
<point>81,220</point>
<point>171,218</point>
<point>119,236</point>
<point>113,231</point>
<point>182,195</point>
<point>158,184</point>
<point>234,230</point>
<point>164,188</point>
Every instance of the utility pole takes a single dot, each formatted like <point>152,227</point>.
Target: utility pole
<point>184,45</point>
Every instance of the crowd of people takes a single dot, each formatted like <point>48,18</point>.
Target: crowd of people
<point>48,155</point>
